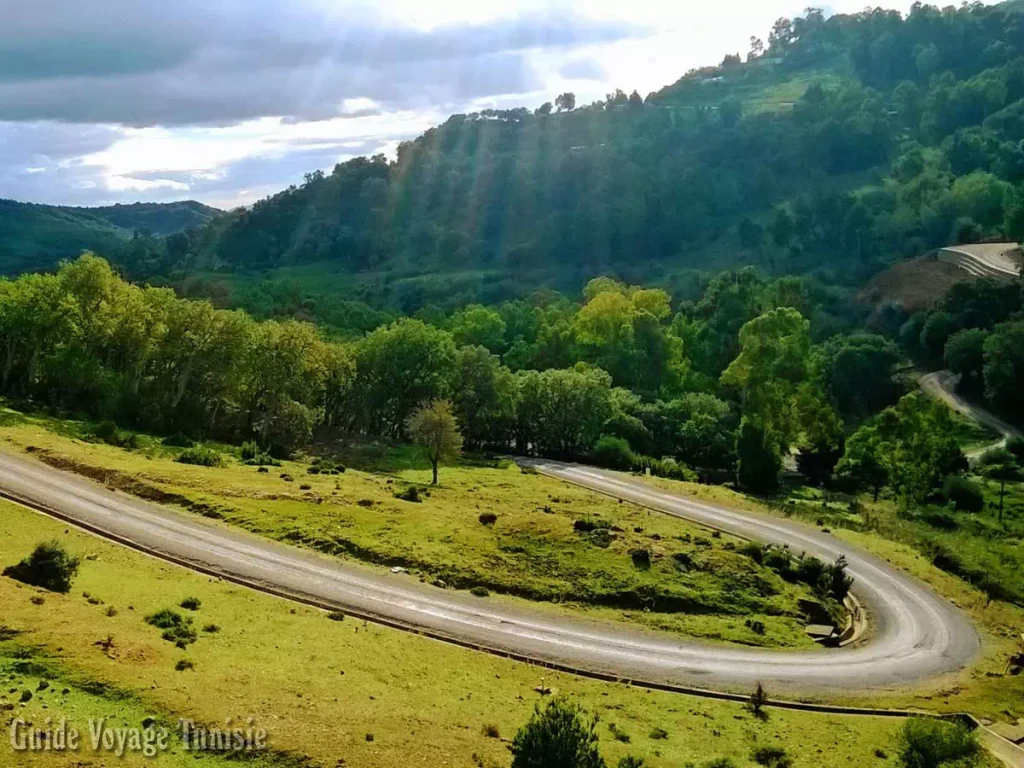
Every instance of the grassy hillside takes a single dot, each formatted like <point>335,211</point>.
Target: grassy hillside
<point>333,693</point>
<point>850,142</point>
<point>36,237</point>
<point>531,551</point>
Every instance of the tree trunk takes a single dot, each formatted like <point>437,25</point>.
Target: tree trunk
<point>433,463</point>
<point>1002,496</point>
<point>183,380</point>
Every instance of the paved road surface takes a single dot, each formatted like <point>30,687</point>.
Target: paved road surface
<point>915,634</point>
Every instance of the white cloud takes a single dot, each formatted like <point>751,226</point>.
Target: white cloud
<point>230,100</point>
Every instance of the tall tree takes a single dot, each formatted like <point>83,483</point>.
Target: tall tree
<point>434,427</point>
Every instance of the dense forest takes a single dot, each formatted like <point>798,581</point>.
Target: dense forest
<point>839,146</point>
<point>729,385</point>
<point>37,237</point>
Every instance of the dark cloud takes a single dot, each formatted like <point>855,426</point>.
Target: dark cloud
<point>222,61</point>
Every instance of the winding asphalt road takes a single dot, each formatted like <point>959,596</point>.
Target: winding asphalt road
<point>942,386</point>
<point>915,635</point>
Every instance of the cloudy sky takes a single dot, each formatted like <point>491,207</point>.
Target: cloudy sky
<point>227,101</point>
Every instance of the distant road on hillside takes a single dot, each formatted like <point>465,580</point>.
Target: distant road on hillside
<point>942,386</point>
<point>915,635</point>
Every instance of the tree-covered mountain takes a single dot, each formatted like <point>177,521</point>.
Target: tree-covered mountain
<point>36,237</point>
<point>155,218</point>
<point>839,146</point>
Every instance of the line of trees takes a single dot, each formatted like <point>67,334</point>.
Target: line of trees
<point>736,379</point>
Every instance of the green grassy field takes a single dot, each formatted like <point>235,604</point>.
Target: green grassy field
<point>323,688</point>
<point>985,689</point>
<point>696,583</point>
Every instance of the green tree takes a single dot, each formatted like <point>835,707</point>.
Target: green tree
<point>558,735</point>
<point>965,356</point>
<point>478,326</point>
<point>434,426</point>
<point>1001,466</point>
<point>759,462</point>
<point>862,465</point>
<point>1004,366</point>
<point>397,368</point>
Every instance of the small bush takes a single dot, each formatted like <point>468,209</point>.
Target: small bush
<point>191,603</point>
<point>200,456</point>
<point>262,470</point>
<point>588,524</point>
<point>322,466</point>
<point>964,494</point>
<point>491,731</point>
<point>683,560</point>
<point>49,566</point>
<point>488,518</point>
<point>641,557</point>
<point>558,734</point>
<point>287,478</point>
<point>720,762</point>
<point>927,743</point>
<point>658,734</point>
<point>618,734</point>
<point>629,761</point>
<point>480,592</point>
<point>178,440</point>
<point>667,468</point>
<point>211,629</point>
<point>613,452</point>
<point>772,757</point>
<point>305,487</point>
<point>412,493</point>
<point>184,665</point>
<point>176,628</point>
<point>252,455</point>
<point>758,700</point>
<point>336,616</point>
<point>755,625</point>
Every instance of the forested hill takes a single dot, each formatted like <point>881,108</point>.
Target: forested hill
<point>156,218</point>
<point>36,237</point>
<point>839,145</point>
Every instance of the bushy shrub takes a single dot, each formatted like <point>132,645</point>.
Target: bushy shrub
<point>322,466</point>
<point>191,603</point>
<point>178,440</point>
<point>641,557</point>
<point>613,452</point>
<point>107,432</point>
<point>176,628</point>
<point>588,524</point>
<point>963,493</point>
<point>412,493</point>
<point>772,757</point>
<point>252,455</point>
<point>201,456</point>
<point>49,566</point>
<point>480,592</point>
<point>488,518</point>
<point>670,469</point>
<point>929,743</point>
<point>558,734</point>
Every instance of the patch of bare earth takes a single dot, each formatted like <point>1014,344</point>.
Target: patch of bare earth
<point>915,285</point>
